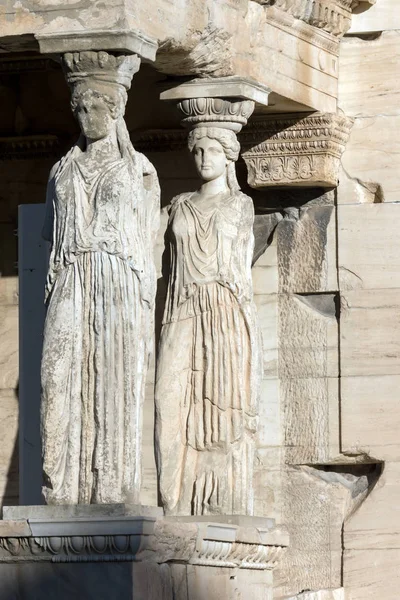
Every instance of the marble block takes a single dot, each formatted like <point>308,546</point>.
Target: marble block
<point>190,558</point>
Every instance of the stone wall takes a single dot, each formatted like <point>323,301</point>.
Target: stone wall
<point>369,279</point>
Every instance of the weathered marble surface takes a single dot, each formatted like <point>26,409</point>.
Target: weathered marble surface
<point>368,91</point>
<point>102,216</point>
<point>382,15</point>
<point>337,594</point>
<point>370,332</point>
<point>368,246</point>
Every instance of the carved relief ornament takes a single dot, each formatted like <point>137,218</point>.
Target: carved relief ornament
<point>332,16</point>
<point>288,151</point>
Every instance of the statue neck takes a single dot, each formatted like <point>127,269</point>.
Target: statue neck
<point>216,186</point>
<point>106,147</point>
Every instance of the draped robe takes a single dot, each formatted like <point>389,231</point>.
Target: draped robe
<point>98,330</point>
<point>208,367</point>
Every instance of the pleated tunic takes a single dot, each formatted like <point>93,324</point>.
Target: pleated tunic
<point>208,368</point>
<point>98,330</point>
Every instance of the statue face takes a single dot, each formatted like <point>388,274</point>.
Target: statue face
<point>94,114</point>
<point>209,158</point>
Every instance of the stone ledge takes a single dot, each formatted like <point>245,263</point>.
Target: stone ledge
<point>120,40</point>
<point>222,87</point>
<point>212,542</point>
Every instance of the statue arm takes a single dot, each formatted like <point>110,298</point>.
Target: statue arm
<point>152,188</point>
<point>244,249</point>
<point>47,231</point>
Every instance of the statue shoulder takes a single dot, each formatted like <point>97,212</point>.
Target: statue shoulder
<point>54,170</point>
<point>147,167</point>
<point>246,207</point>
<point>176,201</point>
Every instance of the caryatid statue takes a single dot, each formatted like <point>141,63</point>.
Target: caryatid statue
<point>209,362</point>
<point>102,216</point>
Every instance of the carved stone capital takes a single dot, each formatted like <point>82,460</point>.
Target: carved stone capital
<point>215,112</point>
<point>293,151</point>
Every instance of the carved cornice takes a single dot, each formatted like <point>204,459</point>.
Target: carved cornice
<point>302,30</point>
<point>24,64</point>
<point>107,548</point>
<point>121,539</point>
<point>237,555</point>
<point>30,146</point>
<point>288,151</point>
<point>159,140</point>
<point>332,16</point>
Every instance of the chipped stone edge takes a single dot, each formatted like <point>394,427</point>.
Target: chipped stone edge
<point>122,40</point>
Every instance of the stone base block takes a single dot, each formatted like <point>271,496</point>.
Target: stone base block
<point>132,552</point>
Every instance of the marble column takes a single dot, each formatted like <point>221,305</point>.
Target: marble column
<point>102,213</point>
<point>209,360</point>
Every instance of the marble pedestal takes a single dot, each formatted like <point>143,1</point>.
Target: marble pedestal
<point>134,553</point>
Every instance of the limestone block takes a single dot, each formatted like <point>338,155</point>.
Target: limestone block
<point>370,574</point>
<point>265,269</point>
<point>370,332</point>
<point>269,431</point>
<point>370,92</point>
<point>369,246</point>
<point>308,336</point>
<point>369,83</point>
<point>313,510</point>
<point>15,528</point>
<point>8,290</point>
<point>267,483</point>
<point>375,524</point>
<point>8,346</point>
<point>381,16</point>
<point>8,447</point>
<point>267,311</point>
<point>338,594</point>
<point>372,154</point>
<point>219,582</point>
<point>311,419</point>
<point>370,414</point>
<point>306,242</point>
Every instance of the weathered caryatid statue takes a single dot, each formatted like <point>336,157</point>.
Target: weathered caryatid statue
<point>209,362</point>
<point>102,216</point>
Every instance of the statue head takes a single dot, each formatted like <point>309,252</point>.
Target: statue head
<point>99,82</point>
<point>97,108</point>
<point>215,151</point>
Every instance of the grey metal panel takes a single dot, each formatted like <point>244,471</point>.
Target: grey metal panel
<point>32,263</point>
